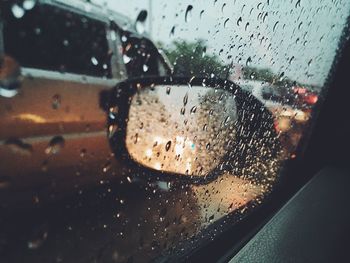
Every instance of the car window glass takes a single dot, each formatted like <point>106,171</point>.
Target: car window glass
<point>67,42</point>
<point>274,59</point>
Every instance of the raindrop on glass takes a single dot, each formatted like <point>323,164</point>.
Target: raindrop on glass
<point>239,21</point>
<point>281,77</point>
<point>83,153</point>
<point>172,31</point>
<point>226,21</point>
<point>38,241</point>
<point>185,99</point>
<point>107,166</point>
<point>28,4</point>
<point>223,7</point>
<point>94,61</point>
<point>249,61</point>
<point>56,101</point>
<point>55,145</point>
<point>183,110</point>
<point>168,145</point>
<point>309,63</point>
<point>291,60</point>
<point>140,21</point>
<point>126,59</point>
<point>204,52</point>
<point>193,110</point>
<point>188,13</point>
<point>17,11</point>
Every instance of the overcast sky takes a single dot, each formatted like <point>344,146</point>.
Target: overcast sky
<point>297,37</point>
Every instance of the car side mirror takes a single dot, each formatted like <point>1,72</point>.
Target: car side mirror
<point>190,129</point>
<point>9,76</point>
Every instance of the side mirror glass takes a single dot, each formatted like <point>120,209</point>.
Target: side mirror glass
<point>187,130</point>
<point>190,128</point>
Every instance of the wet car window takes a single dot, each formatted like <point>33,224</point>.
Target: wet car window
<point>212,100</point>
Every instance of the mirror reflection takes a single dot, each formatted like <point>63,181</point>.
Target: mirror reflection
<point>188,130</point>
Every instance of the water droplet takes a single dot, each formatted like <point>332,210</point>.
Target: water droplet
<point>183,110</point>
<point>28,4</point>
<point>94,61</point>
<point>17,11</point>
<point>188,13</point>
<point>56,101</point>
<point>83,153</point>
<point>168,145</point>
<point>19,147</point>
<point>297,3</point>
<point>239,21</point>
<point>172,31</point>
<point>204,52</point>
<point>264,17</point>
<point>246,26</point>
<point>113,112</point>
<point>55,145</point>
<point>38,238</point>
<point>185,99</point>
<point>140,22</point>
<point>281,77</point>
<point>226,21</point>
<point>124,38</point>
<point>223,7</point>
<point>168,89</point>
<point>309,63</point>
<point>201,14</point>
<point>193,110</point>
<point>300,25</point>
<point>207,146</point>
<point>107,166</point>
<point>211,218</point>
<point>126,59</point>
<point>145,68</point>
<point>112,129</point>
<point>291,60</point>
<point>275,26</point>
<point>249,61</point>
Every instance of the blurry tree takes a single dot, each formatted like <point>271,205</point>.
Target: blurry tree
<point>191,58</point>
